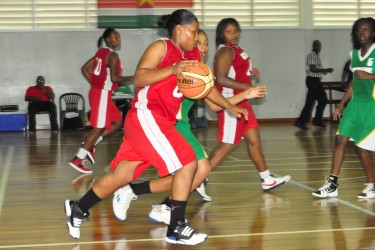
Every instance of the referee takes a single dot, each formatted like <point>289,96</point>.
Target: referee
<point>315,90</point>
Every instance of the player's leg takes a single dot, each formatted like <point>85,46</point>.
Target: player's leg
<point>252,137</point>
<point>77,211</point>
<point>330,187</point>
<point>367,163</point>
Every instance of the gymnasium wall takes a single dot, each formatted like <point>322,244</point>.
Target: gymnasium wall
<point>279,53</point>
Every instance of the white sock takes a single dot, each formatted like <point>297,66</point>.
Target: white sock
<point>82,153</point>
<point>265,174</point>
<point>99,140</point>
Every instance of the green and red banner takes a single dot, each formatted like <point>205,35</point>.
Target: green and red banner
<point>133,14</point>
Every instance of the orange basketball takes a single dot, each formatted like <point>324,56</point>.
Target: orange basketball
<point>197,82</point>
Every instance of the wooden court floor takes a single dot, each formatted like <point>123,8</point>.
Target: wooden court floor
<point>35,179</point>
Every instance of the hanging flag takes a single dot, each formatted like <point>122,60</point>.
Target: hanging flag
<point>133,14</point>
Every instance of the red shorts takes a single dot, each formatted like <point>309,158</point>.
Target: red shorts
<point>103,110</point>
<point>231,128</point>
<point>154,141</point>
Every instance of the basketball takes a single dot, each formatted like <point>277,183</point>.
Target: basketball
<point>197,82</point>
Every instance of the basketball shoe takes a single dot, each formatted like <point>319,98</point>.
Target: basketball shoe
<point>75,218</point>
<point>121,202</point>
<point>185,235</point>
<point>368,192</point>
<point>271,182</point>
<point>160,213</point>
<point>77,164</point>
<point>329,189</point>
<point>201,192</point>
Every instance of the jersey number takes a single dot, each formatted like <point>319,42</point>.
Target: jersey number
<point>98,66</point>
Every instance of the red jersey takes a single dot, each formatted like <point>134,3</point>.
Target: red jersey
<point>163,98</point>
<point>240,70</point>
<point>101,75</point>
<point>33,91</point>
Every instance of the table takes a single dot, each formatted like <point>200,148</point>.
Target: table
<point>128,97</point>
<point>330,86</point>
<point>122,101</point>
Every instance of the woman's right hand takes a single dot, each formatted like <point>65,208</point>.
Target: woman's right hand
<point>255,92</point>
<point>182,66</point>
<point>338,112</point>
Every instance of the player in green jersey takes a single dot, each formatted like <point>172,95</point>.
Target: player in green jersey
<point>358,120</point>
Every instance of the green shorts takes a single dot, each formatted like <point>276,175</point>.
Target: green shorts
<point>358,123</point>
<point>184,128</point>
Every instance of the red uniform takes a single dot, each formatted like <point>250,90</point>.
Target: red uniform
<point>150,135</point>
<point>230,127</point>
<point>103,110</point>
<point>33,91</point>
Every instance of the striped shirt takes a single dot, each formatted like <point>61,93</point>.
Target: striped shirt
<point>313,59</point>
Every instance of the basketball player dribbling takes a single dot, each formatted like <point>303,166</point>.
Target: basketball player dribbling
<point>150,136</point>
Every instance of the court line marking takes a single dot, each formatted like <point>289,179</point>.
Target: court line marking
<point>5,175</point>
<point>349,204</point>
<point>214,237</point>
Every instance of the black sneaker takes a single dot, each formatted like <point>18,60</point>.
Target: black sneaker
<point>75,217</point>
<point>329,189</point>
<point>300,126</point>
<point>185,235</point>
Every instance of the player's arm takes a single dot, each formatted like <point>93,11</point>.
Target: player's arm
<point>87,67</point>
<point>338,111</point>
<point>253,92</point>
<point>112,63</point>
<point>223,60</point>
<point>147,72</point>
<point>217,99</point>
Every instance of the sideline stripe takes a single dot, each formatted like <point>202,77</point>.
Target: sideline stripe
<point>4,176</point>
<point>299,184</point>
<point>214,237</point>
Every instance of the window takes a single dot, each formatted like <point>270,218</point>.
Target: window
<point>249,13</point>
<point>340,13</point>
<point>85,14</point>
<point>47,14</point>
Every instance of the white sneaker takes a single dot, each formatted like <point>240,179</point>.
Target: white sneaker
<point>329,189</point>
<point>201,192</point>
<point>272,182</point>
<point>121,201</point>
<point>368,192</point>
<point>75,218</point>
<point>160,213</point>
<point>185,235</point>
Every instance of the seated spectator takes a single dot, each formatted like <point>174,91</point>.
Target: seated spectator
<point>40,98</point>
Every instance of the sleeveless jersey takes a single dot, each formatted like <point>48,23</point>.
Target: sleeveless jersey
<point>239,70</point>
<point>163,98</point>
<point>364,89</point>
<point>101,75</point>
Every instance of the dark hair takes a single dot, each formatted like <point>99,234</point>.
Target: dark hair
<point>355,41</point>
<point>178,17</point>
<point>106,34</point>
<point>202,31</point>
<point>220,28</point>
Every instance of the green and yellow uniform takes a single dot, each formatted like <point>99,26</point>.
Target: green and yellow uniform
<point>183,126</point>
<point>358,121</point>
